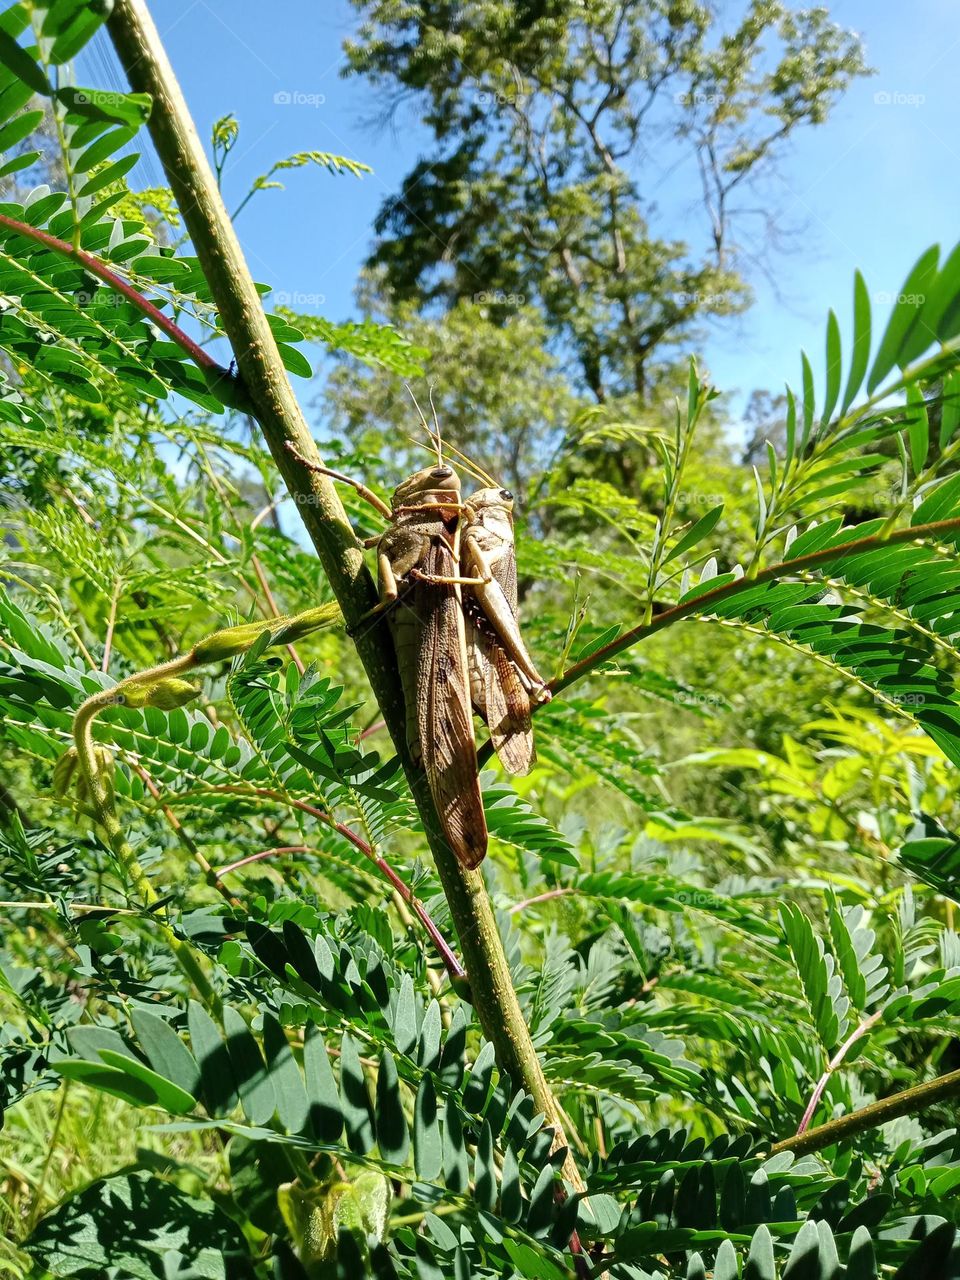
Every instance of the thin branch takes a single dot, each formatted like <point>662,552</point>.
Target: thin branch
<point>265,586</point>
<point>79,907</point>
<point>703,603</point>
<point>111,623</point>
<point>540,897</point>
<point>453,965</point>
<point>201,358</point>
<point>258,857</point>
<point>905,1103</point>
<point>857,1034</point>
<point>186,839</point>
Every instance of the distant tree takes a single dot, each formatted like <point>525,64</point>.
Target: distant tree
<point>545,115</point>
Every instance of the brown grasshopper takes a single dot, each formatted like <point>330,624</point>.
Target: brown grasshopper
<point>502,674</point>
<point>418,562</point>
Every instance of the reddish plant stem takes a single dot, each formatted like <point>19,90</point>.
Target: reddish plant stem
<point>258,857</point>
<point>265,585</point>
<point>100,269</point>
<point>857,1034</point>
<point>373,728</point>
<point>540,897</point>
<point>452,964</point>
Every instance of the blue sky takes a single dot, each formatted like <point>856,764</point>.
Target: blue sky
<point>871,189</point>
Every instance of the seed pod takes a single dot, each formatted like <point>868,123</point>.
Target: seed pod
<point>166,694</point>
<point>63,772</point>
<point>172,692</point>
<point>303,624</point>
<point>283,630</point>
<point>227,643</point>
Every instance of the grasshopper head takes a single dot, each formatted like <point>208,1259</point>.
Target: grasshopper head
<point>489,502</point>
<point>432,484</point>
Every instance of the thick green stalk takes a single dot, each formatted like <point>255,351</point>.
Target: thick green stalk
<point>905,1103</point>
<point>285,431</point>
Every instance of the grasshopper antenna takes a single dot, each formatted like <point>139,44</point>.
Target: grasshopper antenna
<point>436,420</point>
<point>434,436</point>
<point>426,425</point>
<point>474,468</point>
<point>463,461</point>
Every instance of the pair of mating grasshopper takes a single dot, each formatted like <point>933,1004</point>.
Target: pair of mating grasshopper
<point>447,573</point>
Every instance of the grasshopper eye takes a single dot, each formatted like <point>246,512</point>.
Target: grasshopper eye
<point>442,473</point>
<point>506,495</point>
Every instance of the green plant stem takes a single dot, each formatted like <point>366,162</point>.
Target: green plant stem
<point>685,434</point>
<point>37,1206</point>
<point>702,604</point>
<point>905,1103</point>
<point>100,794</point>
<point>783,569</point>
<point>209,874</point>
<point>281,420</point>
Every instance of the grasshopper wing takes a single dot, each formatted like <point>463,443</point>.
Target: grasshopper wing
<point>498,693</point>
<point>445,722</point>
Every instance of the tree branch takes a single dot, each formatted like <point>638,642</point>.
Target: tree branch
<point>702,604</point>
<point>782,569</point>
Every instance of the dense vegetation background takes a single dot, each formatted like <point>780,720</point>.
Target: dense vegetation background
<point>237,1040</point>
